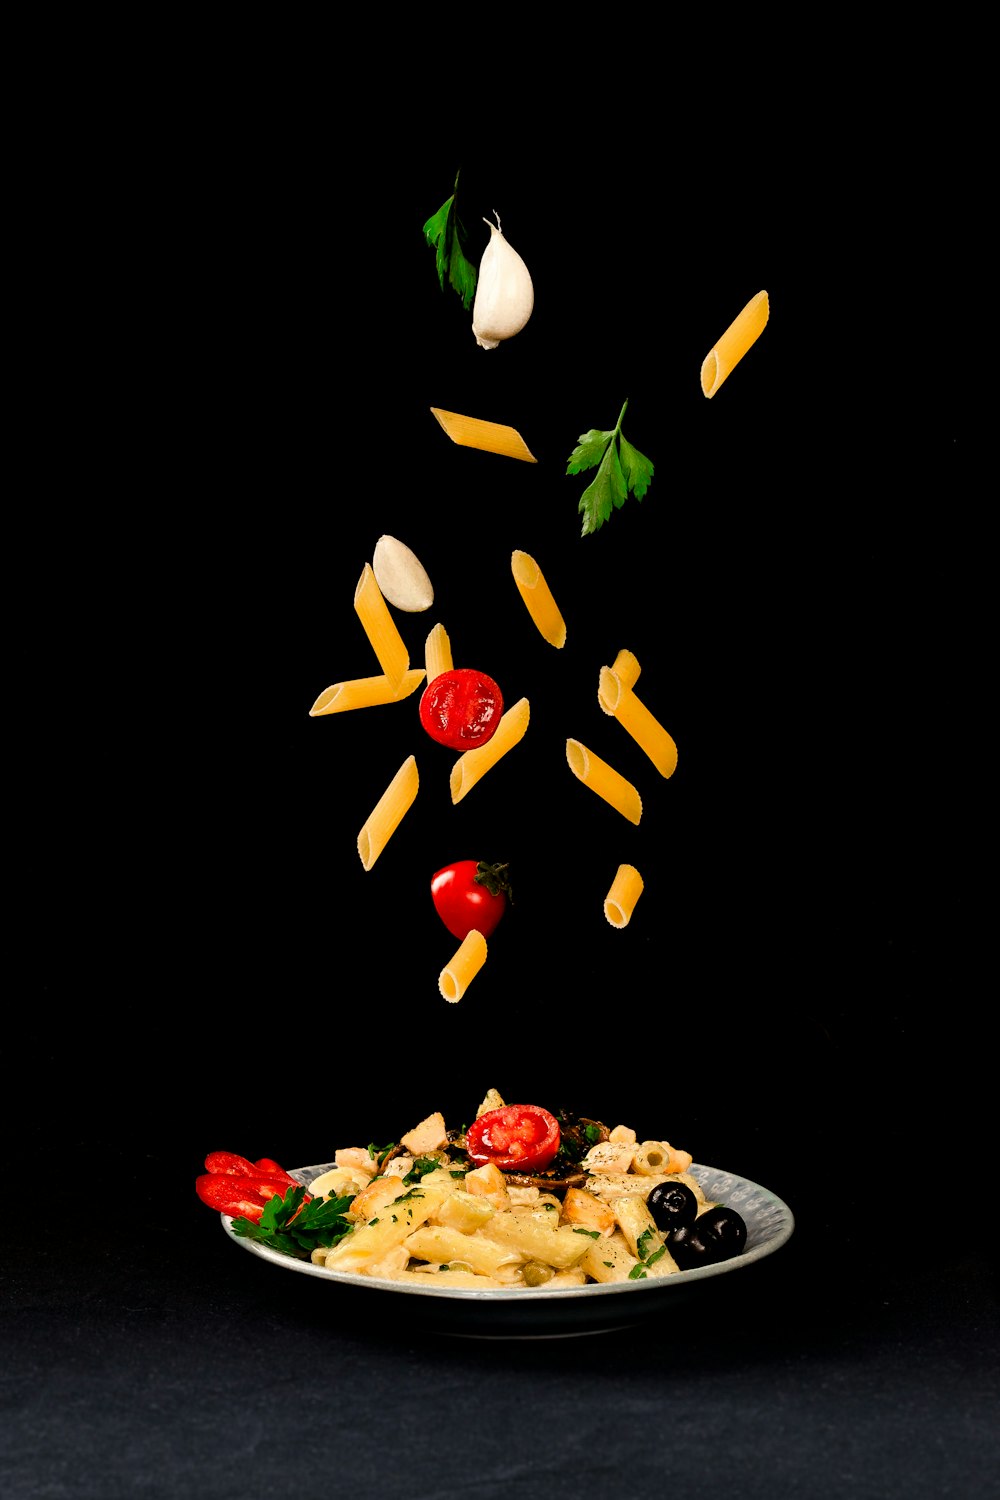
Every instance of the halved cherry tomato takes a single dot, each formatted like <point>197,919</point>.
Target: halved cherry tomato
<point>461,708</point>
<point>515,1138</point>
<point>470,893</point>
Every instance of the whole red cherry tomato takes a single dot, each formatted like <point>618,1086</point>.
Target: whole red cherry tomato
<point>461,708</point>
<point>515,1138</point>
<point>470,894</point>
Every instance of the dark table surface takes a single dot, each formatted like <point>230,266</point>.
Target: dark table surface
<point>799,995</point>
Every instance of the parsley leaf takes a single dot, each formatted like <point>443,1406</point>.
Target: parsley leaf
<point>446,233</point>
<point>621,470</point>
<point>282,1225</point>
<point>421,1165</point>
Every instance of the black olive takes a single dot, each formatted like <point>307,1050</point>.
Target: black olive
<point>717,1234</point>
<point>672,1204</point>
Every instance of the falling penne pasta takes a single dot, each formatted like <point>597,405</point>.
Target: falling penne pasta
<point>437,652</point>
<point>626,669</point>
<point>604,780</point>
<point>380,628</point>
<point>365,692</point>
<point>742,332</point>
<point>537,596</point>
<point>456,976</point>
<point>626,888</point>
<point>388,812</point>
<point>647,731</point>
<point>473,765</point>
<point>492,437</point>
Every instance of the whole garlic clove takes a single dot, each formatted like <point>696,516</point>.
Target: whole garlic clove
<point>504,293</point>
<point>401,576</point>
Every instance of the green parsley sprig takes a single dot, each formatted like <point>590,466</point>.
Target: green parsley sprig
<point>281,1226</point>
<point>446,233</point>
<point>622,470</point>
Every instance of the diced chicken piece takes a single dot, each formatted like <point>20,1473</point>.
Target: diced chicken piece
<point>356,1158</point>
<point>492,1101</point>
<point>429,1135</point>
<point>488,1182</point>
<point>585,1211</point>
<point>622,1133</point>
<point>609,1156</point>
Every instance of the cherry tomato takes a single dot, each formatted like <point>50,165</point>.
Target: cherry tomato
<point>515,1138</point>
<point>461,708</point>
<point>470,894</point>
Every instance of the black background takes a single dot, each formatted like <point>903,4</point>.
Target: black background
<point>798,997</point>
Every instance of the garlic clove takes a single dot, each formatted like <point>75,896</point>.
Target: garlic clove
<point>504,292</point>
<point>401,576</point>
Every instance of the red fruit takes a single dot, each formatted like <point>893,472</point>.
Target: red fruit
<point>461,708</point>
<point>470,894</point>
<point>516,1138</point>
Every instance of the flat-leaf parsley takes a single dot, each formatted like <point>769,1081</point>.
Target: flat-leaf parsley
<point>621,470</point>
<point>283,1227</point>
<point>446,233</point>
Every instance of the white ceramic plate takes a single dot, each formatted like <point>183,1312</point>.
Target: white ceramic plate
<point>519,1313</point>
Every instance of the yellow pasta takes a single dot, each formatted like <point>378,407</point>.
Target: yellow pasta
<point>380,628</point>
<point>388,812</point>
<point>473,765</point>
<point>437,653</point>
<point>604,780</point>
<point>626,669</point>
<point>742,332</point>
<point>492,437</point>
<point>365,692</point>
<point>626,888</point>
<point>456,976</point>
<point>537,595</point>
<point>647,731</point>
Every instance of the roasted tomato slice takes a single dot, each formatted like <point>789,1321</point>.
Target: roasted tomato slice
<point>461,708</point>
<point>515,1138</point>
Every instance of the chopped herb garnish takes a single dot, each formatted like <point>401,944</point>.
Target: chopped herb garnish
<point>593,1234</point>
<point>652,1259</point>
<point>637,1273</point>
<point>420,1166</point>
<point>592,1133</point>
<point>374,1221</point>
<point>462,1174</point>
<point>643,1242</point>
<point>608,1263</point>
<point>294,1228</point>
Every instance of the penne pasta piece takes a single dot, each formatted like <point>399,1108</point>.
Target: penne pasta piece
<point>437,653</point>
<point>492,437</point>
<point>626,669</point>
<point>742,332</point>
<point>380,627</point>
<point>456,977</point>
<point>537,595</point>
<point>604,780</point>
<point>647,731</point>
<point>626,888</point>
<point>365,692</point>
<point>473,765</point>
<point>388,812</point>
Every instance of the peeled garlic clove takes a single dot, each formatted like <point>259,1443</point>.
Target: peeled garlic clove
<point>504,293</point>
<point>401,576</point>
